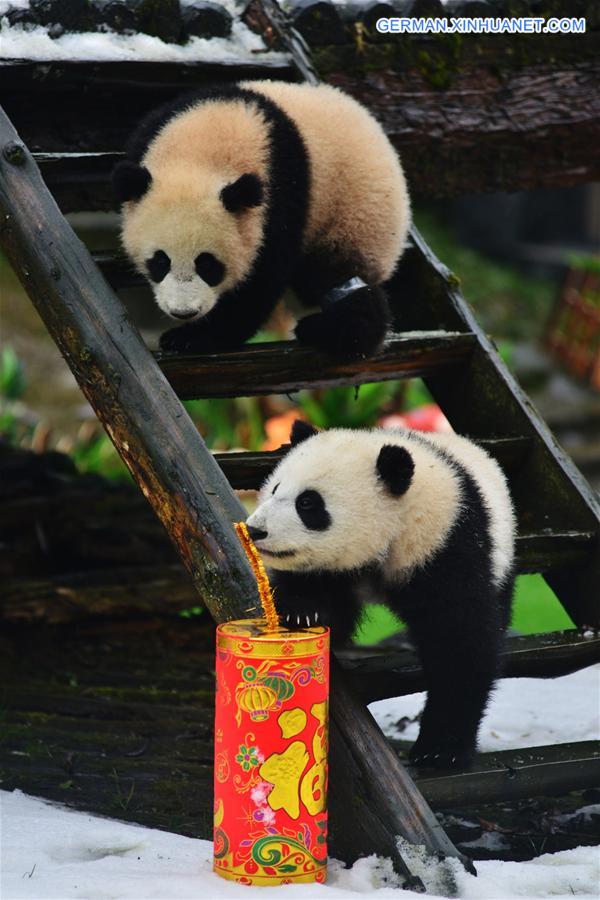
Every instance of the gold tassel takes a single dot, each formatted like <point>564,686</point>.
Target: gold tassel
<point>262,579</point>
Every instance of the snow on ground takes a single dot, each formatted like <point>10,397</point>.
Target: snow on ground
<point>17,42</point>
<point>523,712</point>
<point>51,853</point>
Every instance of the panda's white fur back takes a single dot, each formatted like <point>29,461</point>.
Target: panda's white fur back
<point>493,488</point>
<point>359,198</point>
<point>370,525</point>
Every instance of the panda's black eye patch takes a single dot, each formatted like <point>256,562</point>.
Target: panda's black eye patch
<point>158,266</point>
<point>209,269</point>
<point>311,508</point>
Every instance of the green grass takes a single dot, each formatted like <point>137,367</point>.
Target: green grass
<point>536,609</point>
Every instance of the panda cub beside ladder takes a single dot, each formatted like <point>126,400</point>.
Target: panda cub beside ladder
<point>422,522</point>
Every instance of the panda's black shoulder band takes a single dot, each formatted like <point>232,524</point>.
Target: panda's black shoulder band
<point>341,291</point>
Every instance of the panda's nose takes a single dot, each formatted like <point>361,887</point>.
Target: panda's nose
<point>184,314</point>
<point>256,534</point>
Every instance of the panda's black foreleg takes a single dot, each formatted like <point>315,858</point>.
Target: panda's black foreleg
<point>459,645</point>
<point>237,316</point>
<point>318,598</point>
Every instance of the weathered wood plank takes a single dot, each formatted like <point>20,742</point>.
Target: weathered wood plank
<point>550,549</point>
<point>164,589</point>
<point>512,774</point>
<point>283,367</point>
<point>381,672</point>
<point>92,104</point>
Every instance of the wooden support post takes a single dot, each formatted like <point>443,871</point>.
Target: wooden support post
<point>169,461</point>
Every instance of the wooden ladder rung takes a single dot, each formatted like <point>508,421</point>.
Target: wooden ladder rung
<point>511,774</point>
<point>247,470</point>
<point>283,367</point>
<point>550,549</point>
<point>381,672</point>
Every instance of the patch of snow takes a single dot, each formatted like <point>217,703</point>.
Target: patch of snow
<point>523,712</point>
<point>53,853</point>
<point>34,43</point>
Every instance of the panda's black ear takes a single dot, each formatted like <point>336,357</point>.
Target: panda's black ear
<point>130,181</point>
<point>395,467</point>
<point>301,431</point>
<point>247,191</point>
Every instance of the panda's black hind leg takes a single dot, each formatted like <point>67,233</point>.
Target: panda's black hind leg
<point>351,328</point>
<point>459,640</point>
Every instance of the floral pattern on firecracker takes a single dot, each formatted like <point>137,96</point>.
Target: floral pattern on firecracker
<point>266,687</point>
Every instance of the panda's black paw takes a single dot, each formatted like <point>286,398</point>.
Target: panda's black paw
<point>353,328</point>
<point>184,339</point>
<point>440,756</point>
<point>195,338</point>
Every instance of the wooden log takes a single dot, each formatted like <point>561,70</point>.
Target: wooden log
<point>377,673</point>
<point>163,450</point>
<point>512,774</point>
<point>91,106</point>
<point>283,367</point>
<point>488,129</point>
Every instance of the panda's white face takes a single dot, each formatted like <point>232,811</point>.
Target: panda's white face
<point>188,244</point>
<point>340,500</point>
<point>324,507</point>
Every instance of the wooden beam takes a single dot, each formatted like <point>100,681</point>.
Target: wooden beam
<point>480,113</point>
<point>513,774</point>
<point>283,367</point>
<point>93,104</point>
<point>377,673</point>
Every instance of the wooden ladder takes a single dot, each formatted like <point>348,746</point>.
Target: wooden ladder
<point>135,395</point>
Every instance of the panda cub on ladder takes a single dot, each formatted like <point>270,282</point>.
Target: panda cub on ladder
<point>238,194</point>
<point>424,522</point>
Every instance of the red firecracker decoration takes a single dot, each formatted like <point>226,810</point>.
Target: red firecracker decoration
<point>271,749</point>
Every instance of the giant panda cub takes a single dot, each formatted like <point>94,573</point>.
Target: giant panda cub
<point>423,522</point>
<point>238,193</point>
